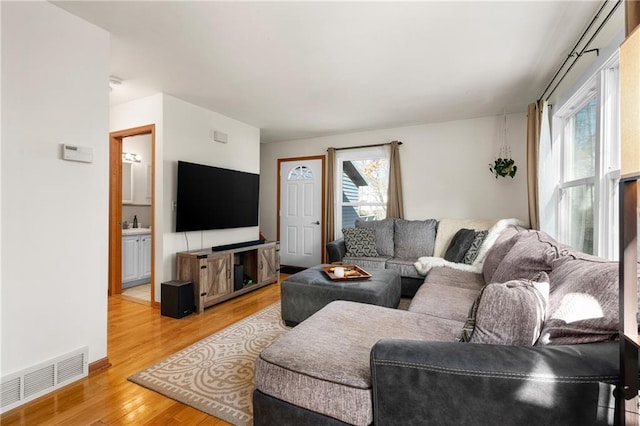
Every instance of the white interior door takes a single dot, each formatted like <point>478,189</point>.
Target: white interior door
<point>301,212</point>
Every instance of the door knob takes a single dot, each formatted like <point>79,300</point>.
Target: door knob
<point>317,222</point>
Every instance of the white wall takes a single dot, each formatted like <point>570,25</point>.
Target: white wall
<point>143,112</point>
<point>187,137</point>
<point>183,133</point>
<point>55,69</point>
<point>445,168</point>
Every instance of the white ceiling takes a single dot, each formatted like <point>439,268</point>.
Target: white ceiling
<point>304,69</point>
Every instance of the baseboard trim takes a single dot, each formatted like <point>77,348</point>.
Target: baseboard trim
<point>99,365</point>
<point>155,305</point>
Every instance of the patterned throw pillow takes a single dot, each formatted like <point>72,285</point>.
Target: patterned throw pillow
<point>470,324</point>
<point>360,242</point>
<point>471,254</point>
<point>510,313</point>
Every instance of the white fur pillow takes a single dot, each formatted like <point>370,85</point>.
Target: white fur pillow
<point>424,264</point>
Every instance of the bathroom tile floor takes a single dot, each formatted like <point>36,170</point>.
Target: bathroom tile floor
<point>142,292</point>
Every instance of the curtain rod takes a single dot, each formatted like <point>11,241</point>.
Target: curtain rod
<point>584,49</point>
<point>367,146</point>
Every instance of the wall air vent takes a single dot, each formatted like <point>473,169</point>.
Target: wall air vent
<point>33,382</point>
<point>10,392</point>
<point>70,368</point>
<point>39,380</point>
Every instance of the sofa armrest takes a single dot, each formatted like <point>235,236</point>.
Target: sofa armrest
<point>336,250</point>
<point>443,383</point>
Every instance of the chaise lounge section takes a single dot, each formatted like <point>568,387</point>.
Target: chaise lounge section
<point>550,359</point>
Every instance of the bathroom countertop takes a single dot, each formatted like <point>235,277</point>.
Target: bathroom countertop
<point>136,231</point>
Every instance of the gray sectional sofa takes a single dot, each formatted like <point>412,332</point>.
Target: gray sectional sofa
<point>399,243</point>
<point>539,348</point>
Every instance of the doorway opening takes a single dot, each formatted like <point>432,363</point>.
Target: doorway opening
<point>131,193</point>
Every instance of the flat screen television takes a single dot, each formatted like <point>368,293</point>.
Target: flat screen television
<point>215,198</point>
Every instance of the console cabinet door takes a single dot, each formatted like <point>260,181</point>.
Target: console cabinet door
<point>215,278</point>
<point>268,264</point>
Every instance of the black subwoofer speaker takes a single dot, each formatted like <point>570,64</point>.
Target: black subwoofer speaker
<point>176,298</point>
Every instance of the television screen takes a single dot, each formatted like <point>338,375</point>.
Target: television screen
<point>215,198</point>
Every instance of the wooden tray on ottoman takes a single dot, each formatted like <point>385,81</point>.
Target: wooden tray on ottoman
<point>351,273</point>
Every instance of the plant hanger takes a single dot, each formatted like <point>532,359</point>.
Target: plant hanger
<point>504,165</point>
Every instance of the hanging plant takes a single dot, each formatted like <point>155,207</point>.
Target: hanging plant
<point>504,165</point>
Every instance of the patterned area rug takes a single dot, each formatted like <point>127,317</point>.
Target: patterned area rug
<point>215,375</point>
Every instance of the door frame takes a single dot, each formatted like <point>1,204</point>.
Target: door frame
<point>323,213</point>
<point>115,207</point>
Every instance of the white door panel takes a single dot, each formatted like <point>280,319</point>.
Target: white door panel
<point>308,201</point>
<point>308,240</point>
<point>301,212</point>
<point>292,200</point>
<point>292,240</point>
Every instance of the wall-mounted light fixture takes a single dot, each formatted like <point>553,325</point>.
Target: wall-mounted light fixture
<point>132,158</point>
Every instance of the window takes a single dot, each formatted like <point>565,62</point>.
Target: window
<point>300,173</point>
<point>362,185</point>
<point>586,135</point>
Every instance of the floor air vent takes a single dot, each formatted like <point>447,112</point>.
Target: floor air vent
<point>30,383</point>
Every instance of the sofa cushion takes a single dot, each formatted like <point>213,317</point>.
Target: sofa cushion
<point>505,241</point>
<point>384,234</point>
<point>443,301</point>
<point>471,254</point>
<point>510,313</point>
<point>455,278</point>
<point>532,252</point>
<point>329,353</point>
<point>405,267</point>
<point>447,228</point>
<point>360,241</point>
<point>414,238</point>
<point>367,263</point>
<point>460,243</point>
<point>583,301</point>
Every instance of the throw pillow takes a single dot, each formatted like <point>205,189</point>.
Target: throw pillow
<point>584,305</point>
<point>384,234</point>
<point>360,242</point>
<point>470,324</point>
<point>532,252</point>
<point>474,249</point>
<point>414,238</point>
<point>510,313</point>
<point>459,245</point>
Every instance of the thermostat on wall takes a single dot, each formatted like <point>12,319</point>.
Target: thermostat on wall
<point>77,153</point>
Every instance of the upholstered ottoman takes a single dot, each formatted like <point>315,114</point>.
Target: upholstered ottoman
<point>308,291</point>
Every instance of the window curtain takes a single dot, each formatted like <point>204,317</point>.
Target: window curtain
<point>534,120</point>
<point>547,179</point>
<point>330,223</point>
<point>395,203</point>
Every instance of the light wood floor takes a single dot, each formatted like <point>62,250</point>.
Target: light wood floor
<point>138,336</point>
